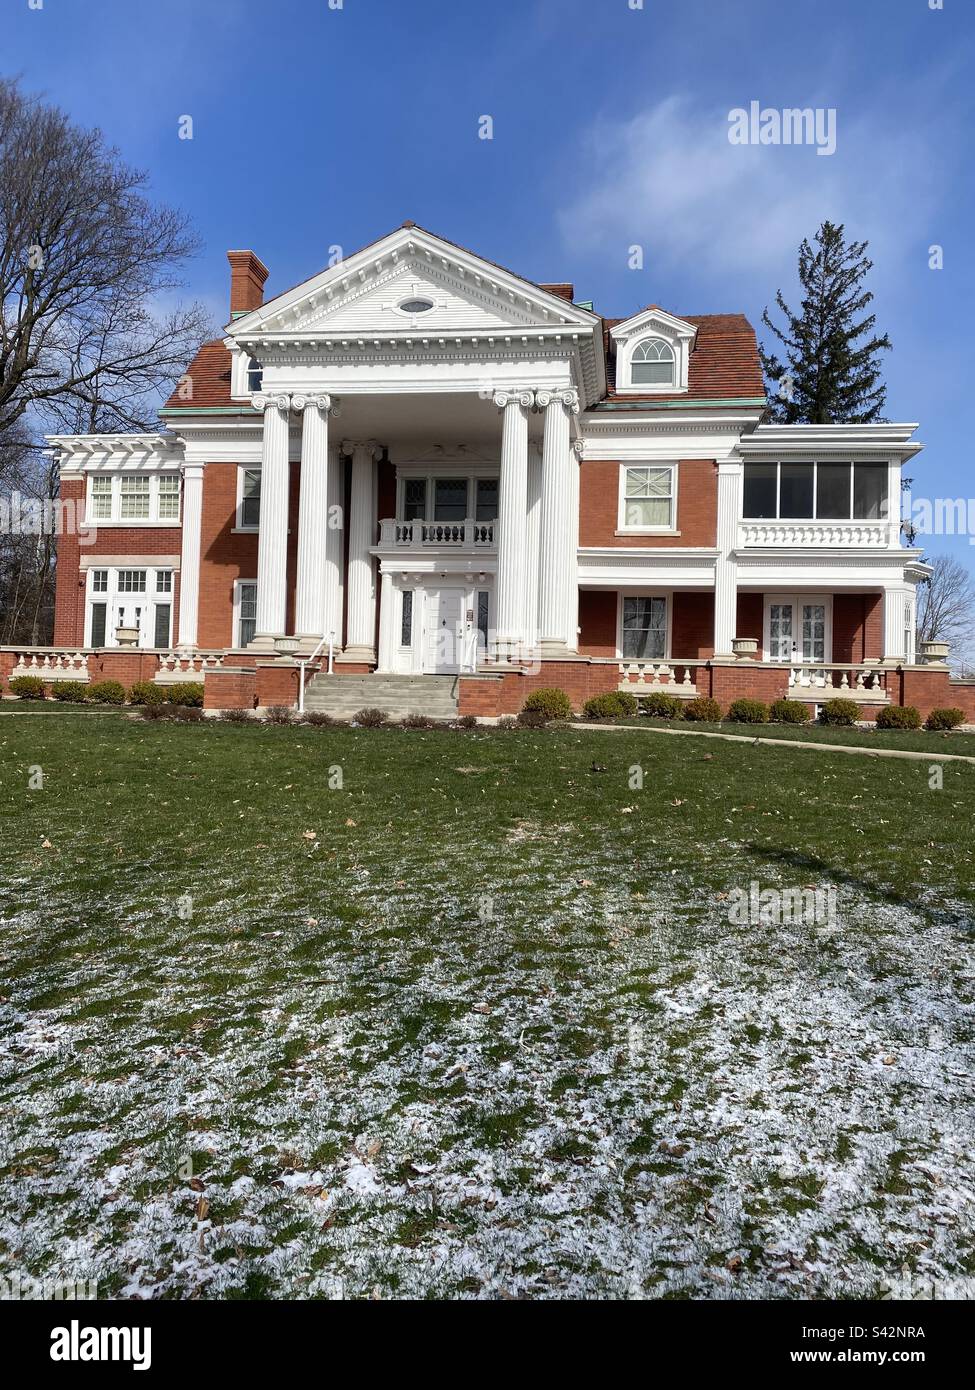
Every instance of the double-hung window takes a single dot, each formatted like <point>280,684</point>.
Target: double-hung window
<point>648,497</point>
<point>126,499</point>
<point>249,512</point>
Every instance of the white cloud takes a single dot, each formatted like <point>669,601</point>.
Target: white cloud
<point>669,179</point>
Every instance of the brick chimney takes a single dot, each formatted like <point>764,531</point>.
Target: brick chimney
<point>247,275</point>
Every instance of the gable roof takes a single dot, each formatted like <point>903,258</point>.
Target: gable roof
<point>724,362</point>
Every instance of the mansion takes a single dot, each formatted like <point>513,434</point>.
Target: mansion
<point>418,464</point>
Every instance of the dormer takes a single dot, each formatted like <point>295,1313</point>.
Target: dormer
<point>653,351</point>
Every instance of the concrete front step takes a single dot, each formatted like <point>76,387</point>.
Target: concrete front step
<point>344,696</point>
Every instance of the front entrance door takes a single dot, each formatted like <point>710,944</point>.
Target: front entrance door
<point>797,628</point>
<point>442,639</point>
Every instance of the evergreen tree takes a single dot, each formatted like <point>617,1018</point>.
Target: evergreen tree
<point>829,375</point>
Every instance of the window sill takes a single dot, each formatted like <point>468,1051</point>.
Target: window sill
<point>141,525</point>
<point>245,530</point>
<point>645,531</point>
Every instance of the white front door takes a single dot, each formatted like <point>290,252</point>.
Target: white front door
<point>443,630</point>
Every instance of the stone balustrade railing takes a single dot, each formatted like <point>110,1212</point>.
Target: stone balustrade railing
<point>477,535</point>
<point>871,535</point>
<point>644,677</point>
<point>867,682</point>
<point>51,663</point>
<point>175,667</point>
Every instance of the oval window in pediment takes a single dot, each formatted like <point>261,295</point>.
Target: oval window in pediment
<point>416,306</point>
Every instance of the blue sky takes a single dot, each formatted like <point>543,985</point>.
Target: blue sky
<point>316,126</point>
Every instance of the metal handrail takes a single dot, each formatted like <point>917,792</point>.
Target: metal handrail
<point>306,661</point>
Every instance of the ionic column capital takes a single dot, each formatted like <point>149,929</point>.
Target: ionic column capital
<point>568,397</point>
<point>523,396</point>
<point>319,402</point>
<point>280,400</point>
<point>369,446</point>
<point>578,447</point>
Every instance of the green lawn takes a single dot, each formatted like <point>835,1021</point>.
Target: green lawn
<point>478,1022</point>
<point>916,741</point>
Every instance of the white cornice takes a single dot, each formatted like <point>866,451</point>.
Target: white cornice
<point>818,441</point>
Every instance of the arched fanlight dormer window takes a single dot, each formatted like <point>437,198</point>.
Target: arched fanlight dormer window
<point>255,374</point>
<point>653,363</point>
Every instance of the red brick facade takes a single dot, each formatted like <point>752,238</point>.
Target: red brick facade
<point>697,506</point>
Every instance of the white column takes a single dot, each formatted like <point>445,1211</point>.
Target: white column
<point>555,559</point>
<point>310,594</point>
<point>532,545</point>
<point>726,567</point>
<point>575,468</point>
<point>335,549</point>
<point>361,637</point>
<point>896,598</point>
<point>512,521</point>
<point>387,599</point>
<point>272,545</point>
<point>189,565</point>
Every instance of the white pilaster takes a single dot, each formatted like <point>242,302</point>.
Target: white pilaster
<point>575,472</point>
<point>555,559</point>
<point>896,599</point>
<point>335,549</point>
<point>310,589</point>
<point>512,522</point>
<point>532,545</point>
<point>387,598</point>
<point>272,545</point>
<point>730,474</point>
<point>361,637</point>
<point>189,564</point>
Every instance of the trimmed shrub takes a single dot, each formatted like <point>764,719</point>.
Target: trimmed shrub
<point>467,721</point>
<point>614,704</point>
<point>660,705</point>
<point>532,719</point>
<point>789,712</point>
<point>703,710</point>
<point>318,719</point>
<point>28,687</point>
<point>899,717</point>
<point>107,693</point>
<point>839,712</point>
<point>185,693</point>
<point>187,714</point>
<point>507,721</point>
<point>156,711</point>
<point>279,714</point>
<point>550,702</point>
<point>146,693</point>
<point>940,719</point>
<point>370,718</point>
<point>417,721</point>
<point>237,716</point>
<point>70,692</point>
<point>748,712</point>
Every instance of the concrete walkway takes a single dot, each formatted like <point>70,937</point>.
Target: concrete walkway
<point>933,756</point>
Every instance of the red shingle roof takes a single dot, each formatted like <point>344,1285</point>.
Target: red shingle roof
<point>209,373</point>
<point>724,361</point>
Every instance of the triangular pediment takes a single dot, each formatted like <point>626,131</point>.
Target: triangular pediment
<point>381,289</point>
<point>653,320</point>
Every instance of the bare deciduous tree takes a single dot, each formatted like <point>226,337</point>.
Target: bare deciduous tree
<point>85,262</point>
<point>946,604</point>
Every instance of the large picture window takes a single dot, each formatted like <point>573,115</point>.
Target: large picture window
<point>815,492</point>
<point>647,498</point>
<point>644,628</point>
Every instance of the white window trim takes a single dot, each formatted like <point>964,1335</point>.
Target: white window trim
<point>116,518</point>
<point>797,601</point>
<point>238,584</point>
<point>239,527</point>
<point>621,527</point>
<point>653,323</point>
<point>112,596</point>
<point>668,600</point>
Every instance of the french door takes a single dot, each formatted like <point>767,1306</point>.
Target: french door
<point>798,628</point>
